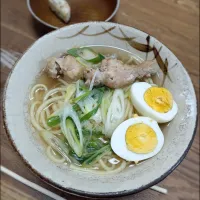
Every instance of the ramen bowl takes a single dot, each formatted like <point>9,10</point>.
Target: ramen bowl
<point>178,134</point>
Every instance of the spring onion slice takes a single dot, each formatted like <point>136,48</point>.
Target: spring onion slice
<point>70,91</point>
<point>73,52</point>
<point>81,97</point>
<point>97,155</point>
<point>115,113</point>
<point>53,121</point>
<point>70,121</point>
<point>106,101</point>
<point>86,54</point>
<point>99,94</point>
<point>83,62</point>
<point>97,60</point>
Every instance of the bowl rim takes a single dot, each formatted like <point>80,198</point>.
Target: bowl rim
<point>55,27</point>
<point>81,192</point>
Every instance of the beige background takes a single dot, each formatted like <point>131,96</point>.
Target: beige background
<point>174,22</point>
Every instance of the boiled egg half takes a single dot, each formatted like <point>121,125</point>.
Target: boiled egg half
<point>137,139</point>
<point>153,101</point>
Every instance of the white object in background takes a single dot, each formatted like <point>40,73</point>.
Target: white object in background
<point>61,8</point>
<point>159,189</point>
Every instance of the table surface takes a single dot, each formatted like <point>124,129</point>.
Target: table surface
<point>173,22</point>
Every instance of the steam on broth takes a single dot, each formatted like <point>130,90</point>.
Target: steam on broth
<point>77,104</point>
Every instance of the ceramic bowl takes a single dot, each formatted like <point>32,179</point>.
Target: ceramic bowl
<point>178,134</point>
<point>81,11</point>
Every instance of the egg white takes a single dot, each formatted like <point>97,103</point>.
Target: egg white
<point>118,141</point>
<point>137,96</point>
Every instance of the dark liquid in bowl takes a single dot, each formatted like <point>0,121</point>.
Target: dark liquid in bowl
<point>81,11</point>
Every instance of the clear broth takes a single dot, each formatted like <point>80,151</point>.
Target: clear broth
<point>53,83</point>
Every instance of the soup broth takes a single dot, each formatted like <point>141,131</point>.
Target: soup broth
<point>47,99</point>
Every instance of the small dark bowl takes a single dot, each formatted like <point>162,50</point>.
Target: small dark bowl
<point>81,11</point>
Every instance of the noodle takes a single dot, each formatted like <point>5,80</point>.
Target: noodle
<point>35,88</point>
<point>54,107</point>
<point>53,91</point>
<point>43,120</point>
<point>115,171</point>
<point>53,102</point>
<point>33,121</point>
<point>45,104</point>
<point>106,167</point>
<point>60,103</point>
<point>63,82</point>
<point>47,112</point>
<point>57,132</point>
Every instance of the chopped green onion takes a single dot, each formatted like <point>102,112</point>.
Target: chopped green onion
<point>99,93</point>
<point>86,55</point>
<point>81,97</point>
<point>83,62</point>
<point>72,130</point>
<point>71,89</point>
<point>101,56</point>
<point>97,155</point>
<point>53,121</point>
<point>97,59</point>
<point>73,52</point>
<point>79,159</point>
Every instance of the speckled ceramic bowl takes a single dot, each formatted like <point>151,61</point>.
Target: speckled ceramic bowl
<point>178,134</point>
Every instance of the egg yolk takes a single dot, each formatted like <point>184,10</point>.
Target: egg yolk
<point>141,138</point>
<point>159,99</point>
